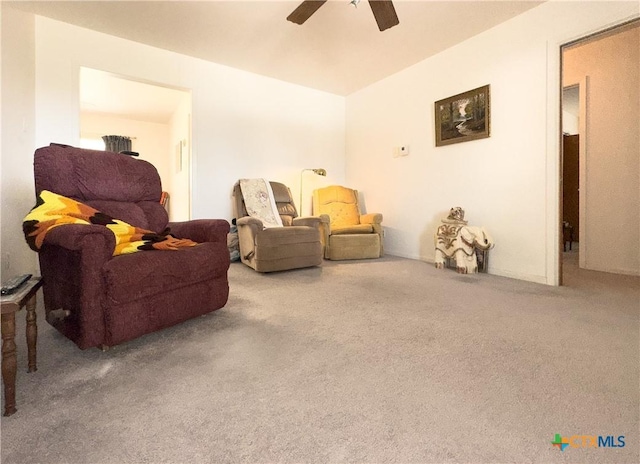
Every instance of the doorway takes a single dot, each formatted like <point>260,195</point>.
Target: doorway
<point>155,117</point>
<point>600,154</point>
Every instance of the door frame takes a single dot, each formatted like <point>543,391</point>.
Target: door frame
<point>554,255</point>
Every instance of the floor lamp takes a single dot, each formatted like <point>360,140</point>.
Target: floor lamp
<point>318,171</point>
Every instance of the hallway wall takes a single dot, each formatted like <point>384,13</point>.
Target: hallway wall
<point>610,240</point>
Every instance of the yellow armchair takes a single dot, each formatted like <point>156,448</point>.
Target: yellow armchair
<point>347,234</point>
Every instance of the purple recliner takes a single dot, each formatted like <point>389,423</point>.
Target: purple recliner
<point>107,300</point>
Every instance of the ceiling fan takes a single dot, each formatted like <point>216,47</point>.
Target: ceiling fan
<point>383,11</point>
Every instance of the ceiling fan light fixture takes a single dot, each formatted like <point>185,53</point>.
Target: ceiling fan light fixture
<point>383,11</point>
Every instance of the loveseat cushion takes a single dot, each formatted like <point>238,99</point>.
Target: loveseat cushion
<point>141,275</point>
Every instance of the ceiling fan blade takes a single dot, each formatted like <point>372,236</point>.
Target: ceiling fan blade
<point>384,13</point>
<point>305,10</point>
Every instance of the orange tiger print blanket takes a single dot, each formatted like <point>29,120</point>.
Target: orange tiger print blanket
<point>53,210</point>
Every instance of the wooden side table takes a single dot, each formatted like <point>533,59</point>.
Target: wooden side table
<point>11,304</point>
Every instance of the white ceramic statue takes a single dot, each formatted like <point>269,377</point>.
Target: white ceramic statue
<point>456,240</point>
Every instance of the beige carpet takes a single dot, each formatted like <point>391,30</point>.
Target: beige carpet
<point>376,361</point>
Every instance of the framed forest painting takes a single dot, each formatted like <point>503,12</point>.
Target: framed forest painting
<point>463,117</point>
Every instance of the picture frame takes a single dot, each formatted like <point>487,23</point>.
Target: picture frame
<point>463,117</point>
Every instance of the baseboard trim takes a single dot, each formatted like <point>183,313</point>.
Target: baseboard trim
<point>538,279</point>
<point>629,272</point>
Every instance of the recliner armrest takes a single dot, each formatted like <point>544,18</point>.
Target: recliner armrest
<point>322,222</point>
<point>371,218</point>
<point>72,260</point>
<point>309,221</point>
<point>325,218</point>
<point>249,221</point>
<point>79,237</point>
<point>201,230</point>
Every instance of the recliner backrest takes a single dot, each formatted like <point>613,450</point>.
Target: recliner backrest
<point>283,199</point>
<point>123,187</point>
<point>339,203</point>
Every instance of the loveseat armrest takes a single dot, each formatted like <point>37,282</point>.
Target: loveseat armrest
<point>201,230</point>
<point>371,218</point>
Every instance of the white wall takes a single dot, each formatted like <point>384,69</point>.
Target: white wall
<point>508,182</point>
<point>17,193</point>
<point>570,110</point>
<point>150,139</point>
<point>609,237</point>
<point>243,124</point>
<point>180,169</point>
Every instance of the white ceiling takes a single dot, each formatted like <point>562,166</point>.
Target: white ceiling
<point>338,50</point>
<point>106,93</point>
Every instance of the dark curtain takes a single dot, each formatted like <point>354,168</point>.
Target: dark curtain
<point>116,143</point>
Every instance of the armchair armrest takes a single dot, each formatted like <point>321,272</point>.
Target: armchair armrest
<point>371,218</point>
<point>201,230</point>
